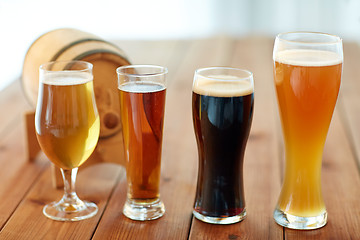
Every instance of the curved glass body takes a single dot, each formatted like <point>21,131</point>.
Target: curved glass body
<point>142,91</point>
<point>307,75</point>
<point>222,105</point>
<point>67,128</point>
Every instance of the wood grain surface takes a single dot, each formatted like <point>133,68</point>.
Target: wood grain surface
<point>26,186</point>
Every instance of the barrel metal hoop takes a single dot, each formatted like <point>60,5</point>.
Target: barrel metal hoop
<point>62,50</point>
<point>87,53</point>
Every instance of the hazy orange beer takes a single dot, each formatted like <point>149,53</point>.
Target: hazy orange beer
<point>142,93</point>
<point>307,74</point>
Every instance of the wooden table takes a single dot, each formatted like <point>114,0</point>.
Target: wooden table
<point>26,187</point>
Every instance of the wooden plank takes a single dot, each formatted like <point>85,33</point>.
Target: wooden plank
<point>349,99</point>
<point>26,187</point>
<point>167,53</point>
<point>261,167</point>
<point>17,174</point>
<point>213,52</point>
<point>94,183</point>
<point>13,105</point>
<point>148,52</point>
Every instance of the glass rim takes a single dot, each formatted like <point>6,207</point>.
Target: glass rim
<point>162,70</point>
<point>89,66</point>
<point>248,77</point>
<point>336,39</point>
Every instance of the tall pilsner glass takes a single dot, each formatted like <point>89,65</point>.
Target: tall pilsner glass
<point>67,128</point>
<point>307,75</point>
<point>142,93</point>
<point>222,105</point>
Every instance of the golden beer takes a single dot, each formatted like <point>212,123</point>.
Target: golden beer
<point>307,84</point>
<point>67,126</point>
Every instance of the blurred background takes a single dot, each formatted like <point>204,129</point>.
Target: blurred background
<point>23,21</point>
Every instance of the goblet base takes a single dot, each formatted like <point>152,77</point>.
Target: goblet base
<point>220,220</point>
<point>62,211</point>
<point>143,210</point>
<point>302,223</point>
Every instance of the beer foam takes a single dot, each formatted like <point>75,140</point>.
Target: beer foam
<point>228,86</point>
<point>142,87</point>
<point>64,78</point>
<point>306,58</point>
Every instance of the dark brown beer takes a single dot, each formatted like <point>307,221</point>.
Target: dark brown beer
<point>222,116</point>
<point>142,114</point>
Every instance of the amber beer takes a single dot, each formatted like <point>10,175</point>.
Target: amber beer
<point>142,93</point>
<point>307,83</point>
<point>142,110</point>
<point>222,115</point>
<point>67,127</point>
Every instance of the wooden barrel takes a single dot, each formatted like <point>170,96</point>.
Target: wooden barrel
<point>72,44</point>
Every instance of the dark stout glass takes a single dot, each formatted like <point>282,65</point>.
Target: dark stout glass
<point>222,116</point>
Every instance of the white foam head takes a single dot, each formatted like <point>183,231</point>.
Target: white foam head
<point>223,86</point>
<point>64,78</point>
<point>141,87</point>
<point>306,57</point>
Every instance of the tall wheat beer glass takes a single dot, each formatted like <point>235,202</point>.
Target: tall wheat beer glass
<point>307,75</point>
<point>142,92</point>
<point>222,104</point>
<point>67,127</point>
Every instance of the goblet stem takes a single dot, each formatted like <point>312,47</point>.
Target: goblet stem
<point>70,207</point>
<point>70,197</point>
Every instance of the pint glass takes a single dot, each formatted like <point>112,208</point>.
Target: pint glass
<point>222,105</point>
<point>307,74</point>
<point>142,92</point>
